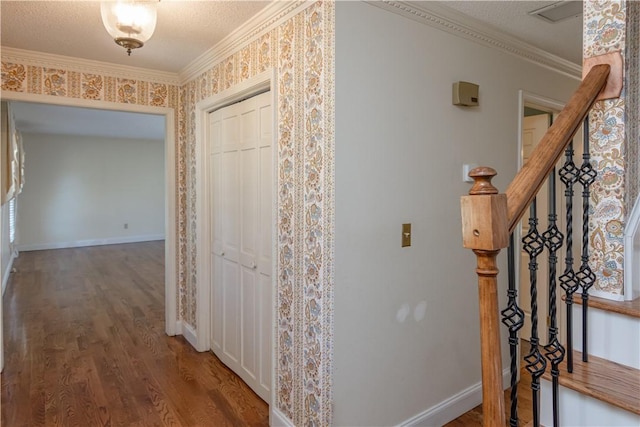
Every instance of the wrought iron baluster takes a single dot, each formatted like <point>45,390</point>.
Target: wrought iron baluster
<point>585,276</point>
<point>569,174</point>
<point>513,319</point>
<point>554,351</point>
<point>536,364</point>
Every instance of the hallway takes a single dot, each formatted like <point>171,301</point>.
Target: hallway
<point>85,346</point>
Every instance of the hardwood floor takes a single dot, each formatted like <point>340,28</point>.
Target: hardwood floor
<point>473,418</point>
<point>85,346</point>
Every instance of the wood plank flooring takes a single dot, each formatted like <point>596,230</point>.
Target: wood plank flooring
<point>473,418</point>
<point>85,346</point>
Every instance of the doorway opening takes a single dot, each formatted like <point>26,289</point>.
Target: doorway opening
<point>169,184</point>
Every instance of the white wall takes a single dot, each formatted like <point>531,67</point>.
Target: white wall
<point>406,319</point>
<point>82,190</point>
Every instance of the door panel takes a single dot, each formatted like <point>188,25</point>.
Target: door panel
<point>249,320</point>
<point>241,180</point>
<point>216,306</point>
<point>265,227</point>
<point>216,204</point>
<point>230,205</point>
<point>249,196</point>
<point>217,253</point>
<point>265,295</point>
<point>231,309</point>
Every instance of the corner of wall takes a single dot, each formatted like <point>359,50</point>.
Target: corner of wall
<point>7,271</point>
<point>278,419</point>
<point>191,335</point>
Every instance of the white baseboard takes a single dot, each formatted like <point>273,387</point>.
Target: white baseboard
<point>190,334</point>
<point>451,408</point>
<point>278,419</point>
<point>176,331</point>
<point>7,272</point>
<point>90,242</point>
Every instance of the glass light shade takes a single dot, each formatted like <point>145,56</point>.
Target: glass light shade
<point>130,23</point>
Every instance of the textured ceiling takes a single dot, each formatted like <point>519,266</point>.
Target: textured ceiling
<point>185,30</point>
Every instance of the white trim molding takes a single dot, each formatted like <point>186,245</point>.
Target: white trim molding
<point>90,242</point>
<point>632,254</point>
<point>456,405</point>
<point>278,419</point>
<point>190,335</point>
<point>171,184</point>
<point>253,86</point>
<point>268,18</point>
<point>49,60</point>
<point>454,22</point>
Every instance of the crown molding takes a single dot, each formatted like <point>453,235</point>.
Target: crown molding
<point>437,16</point>
<point>47,60</point>
<point>271,16</point>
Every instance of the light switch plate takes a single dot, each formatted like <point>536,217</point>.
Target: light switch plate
<point>406,235</point>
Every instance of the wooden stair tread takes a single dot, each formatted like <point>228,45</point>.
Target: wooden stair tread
<point>610,382</point>
<point>628,308</point>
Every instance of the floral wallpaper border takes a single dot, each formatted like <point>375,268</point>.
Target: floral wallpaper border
<point>301,50</point>
<point>605,31</point>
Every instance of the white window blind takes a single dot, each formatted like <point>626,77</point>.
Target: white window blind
<point>12,220</point>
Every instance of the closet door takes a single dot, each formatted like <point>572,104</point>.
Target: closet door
<point>241,186</point>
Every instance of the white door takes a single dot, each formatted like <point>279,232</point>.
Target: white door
<point>533,129</point>
<point>241,185</point>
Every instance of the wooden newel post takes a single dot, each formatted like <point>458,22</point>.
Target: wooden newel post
<point>485,231</point>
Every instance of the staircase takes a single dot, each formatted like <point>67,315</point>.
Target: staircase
<point>605,391</point>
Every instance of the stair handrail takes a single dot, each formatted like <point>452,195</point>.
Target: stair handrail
<point>489,217</point>
<point>527,182</point>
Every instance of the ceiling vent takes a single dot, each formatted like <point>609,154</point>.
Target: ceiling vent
<point>559,11</point>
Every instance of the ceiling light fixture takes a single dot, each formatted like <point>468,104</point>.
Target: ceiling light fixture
<point>130,22</point>
<point>558,11</point>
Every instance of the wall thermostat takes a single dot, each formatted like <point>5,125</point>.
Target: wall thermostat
<point>465,94</point>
